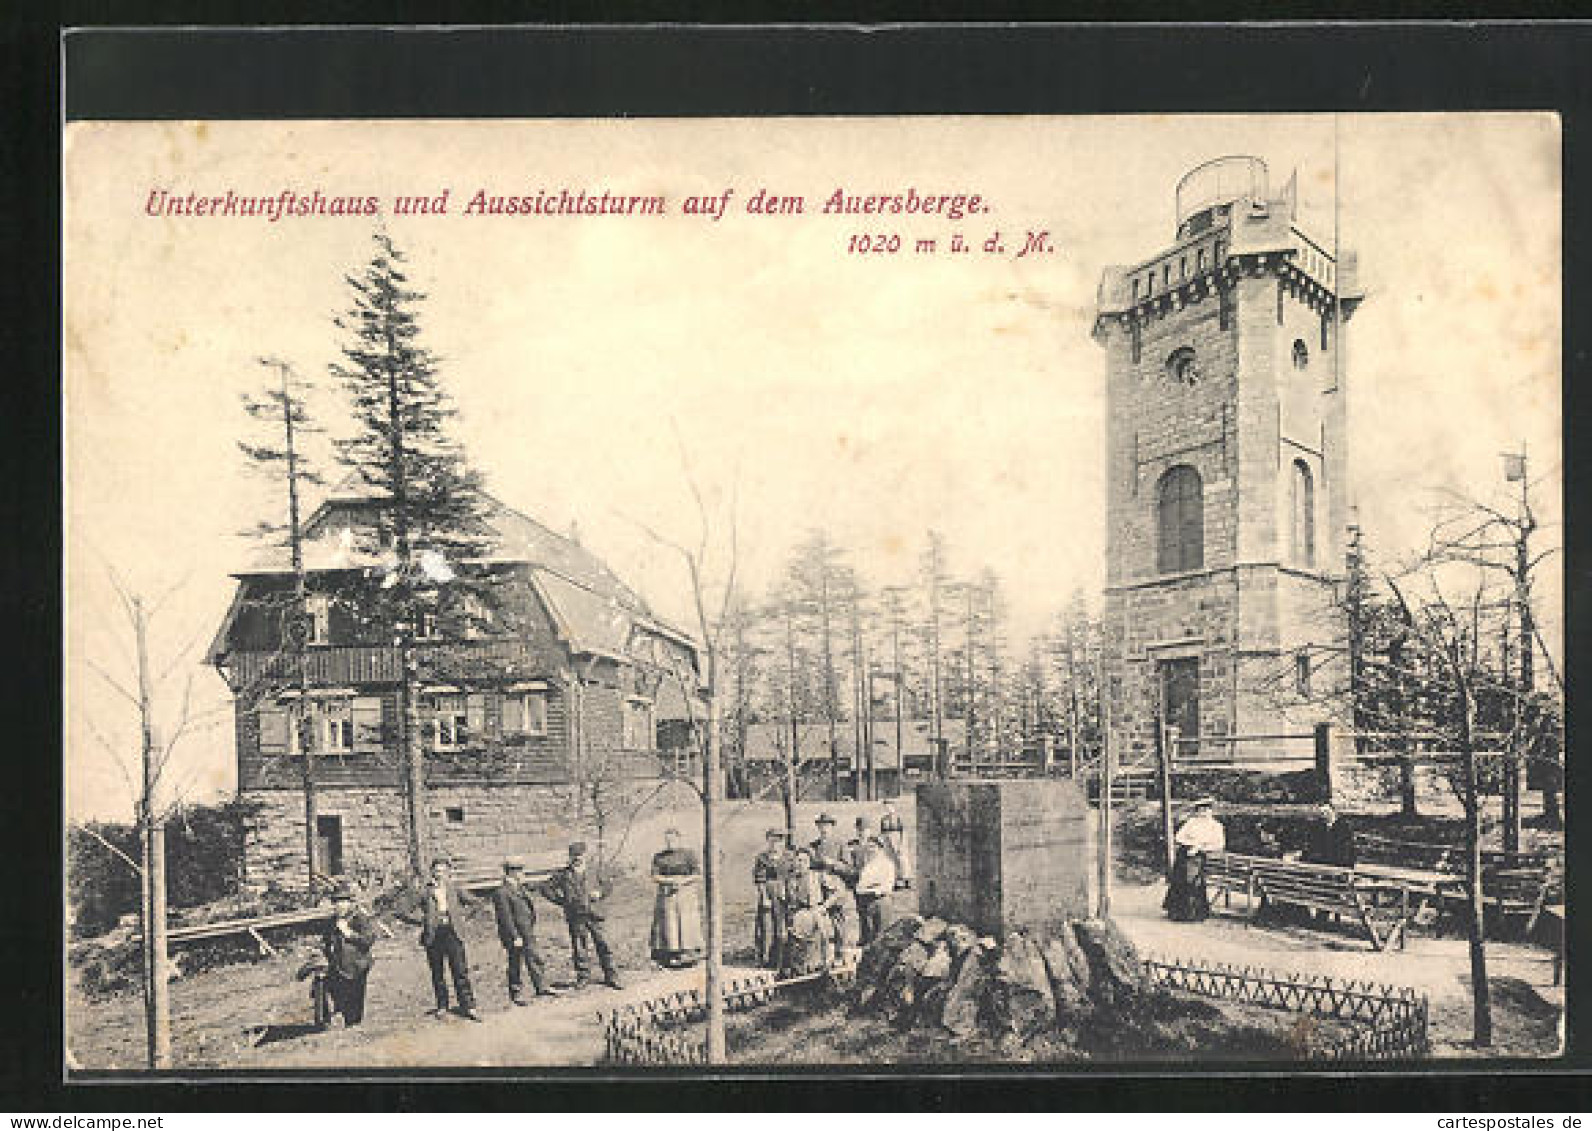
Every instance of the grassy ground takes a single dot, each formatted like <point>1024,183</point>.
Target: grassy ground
<point>218,1015</point>
<point>1167,1029</point>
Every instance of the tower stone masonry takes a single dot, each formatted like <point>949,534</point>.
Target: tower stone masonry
<point>1228,491</point>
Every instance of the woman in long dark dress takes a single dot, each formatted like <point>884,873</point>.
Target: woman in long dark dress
<point>677,911</point>
<point>1186,899</point>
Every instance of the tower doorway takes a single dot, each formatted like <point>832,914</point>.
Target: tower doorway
<point>1180,702</point>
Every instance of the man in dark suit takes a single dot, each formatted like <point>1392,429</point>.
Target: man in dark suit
<point>347,944</point>
<point>575,890</point>
<point>1331,840</point>
<point>442,907</point>
<point>516,924</point>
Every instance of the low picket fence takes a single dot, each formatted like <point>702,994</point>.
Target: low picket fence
<point>665,1032</point>
<point>1396,1019</point>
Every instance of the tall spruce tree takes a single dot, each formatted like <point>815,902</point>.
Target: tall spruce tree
<point>430,500</point>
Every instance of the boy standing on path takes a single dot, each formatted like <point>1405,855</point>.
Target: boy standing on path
<point>574,889</point>
<point>516,924</point>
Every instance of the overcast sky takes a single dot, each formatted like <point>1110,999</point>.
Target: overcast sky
<point>877,396</point>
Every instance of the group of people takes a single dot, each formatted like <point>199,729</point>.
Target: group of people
<point>818,901</point>
<point>438,908</point>
<point>814,903</point>
<point>1329,840</point>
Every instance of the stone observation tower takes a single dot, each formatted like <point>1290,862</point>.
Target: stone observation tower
<point>1227,472</point>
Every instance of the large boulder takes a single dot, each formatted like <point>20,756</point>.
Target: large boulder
<point>964,1000</point>
<point>960,938</point>
<point>1019,1003</point>
<point>940,964</point>
<point>879,957</point>
<point>1117,974</point>
<point>1068,970</point>
<point>899,996</point>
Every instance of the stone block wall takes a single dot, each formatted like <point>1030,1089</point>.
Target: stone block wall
<point>1005,856</point>
<point>476,825</point>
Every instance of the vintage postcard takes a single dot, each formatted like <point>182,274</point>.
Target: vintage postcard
<point>867,592</point>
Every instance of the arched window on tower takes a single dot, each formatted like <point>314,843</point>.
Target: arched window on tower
<point>1180,521</point>
<point>1304,515</point>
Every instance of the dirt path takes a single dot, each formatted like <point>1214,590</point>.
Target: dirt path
<point>557,1032</point>
<point>1526,1004</point>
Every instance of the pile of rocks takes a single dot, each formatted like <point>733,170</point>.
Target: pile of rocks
<point>930,972</point>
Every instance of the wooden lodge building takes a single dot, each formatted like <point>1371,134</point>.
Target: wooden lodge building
<point>552,682</point>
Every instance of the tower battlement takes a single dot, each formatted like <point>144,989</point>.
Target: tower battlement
<point>1227,468</point>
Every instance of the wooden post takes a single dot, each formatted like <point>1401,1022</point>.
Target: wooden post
<point>1165,744</point>
<point>160,994</point>
<point>1104,910</point>
<point>1325,774</point>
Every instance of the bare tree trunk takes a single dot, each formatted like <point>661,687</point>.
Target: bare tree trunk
<point>1480,991</point>
<point>157,1009</point>
<point>794,759</point>
<point>714,987</point>
<point>414,758</point>
<point>295,534</point>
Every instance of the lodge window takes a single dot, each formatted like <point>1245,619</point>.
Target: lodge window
<point>638,725</point>
<point>1302,675</point>
<point>449,723</point>
<point>1224,307</point>
<point>454,814</point>
<point>1304,514</point>
<point>1301,354</point>
<point>1199,259</point>
<point>1325,323</point>
<point>1180,514</point>
<point>525,712</point>
<point>333,724</point>
<point>337,725</point>
<point>1135,290</point>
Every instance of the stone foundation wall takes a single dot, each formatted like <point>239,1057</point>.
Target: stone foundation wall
<point>476,825</point>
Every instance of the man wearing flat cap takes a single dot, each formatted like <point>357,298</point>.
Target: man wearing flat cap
<point>347,943</point>
<point>768,875</point>
<point>575,890</point>
<point>516,924</point>
<point>829,851</point>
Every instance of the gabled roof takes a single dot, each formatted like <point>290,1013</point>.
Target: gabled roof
<point>593,611</point>
<point>515,539</point>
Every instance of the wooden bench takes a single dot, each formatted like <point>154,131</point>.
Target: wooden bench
<point>1382,911</point>
<point>1227,872</point>
<point>1408,853</point>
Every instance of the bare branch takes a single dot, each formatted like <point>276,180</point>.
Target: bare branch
<point>112,681</point>
<point>130,862</point>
